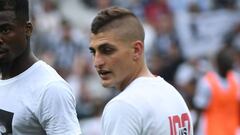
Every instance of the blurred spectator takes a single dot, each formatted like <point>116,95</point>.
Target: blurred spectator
<point>150,35</point>
<point>66,50</point>
<point>171,63</point>
<point>92,126</point>
<point>165,34</point>
<point>78,72</point>
<point>230,4</point>
<point>232,41</point>
<point>185,81</point>
<point>154,9</point>
<point>198,30</point>
<point>183,5</point>
<point>42,45</point>
<point>90,95</point>
<point>101,4</point>
<point>217,100</point>
<point>48,11</point>
<point>165,45</point>
<point>136,6</point>
<point>88,3</point>
<point>97,4</point>
<point>77,80</point>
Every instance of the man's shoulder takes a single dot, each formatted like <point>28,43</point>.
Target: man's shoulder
<point>138,93</point>
<point>45,78</point>
<point>46,73</point>
<point>120,101</point>
<point>118,108</point>
<point>125,100</point>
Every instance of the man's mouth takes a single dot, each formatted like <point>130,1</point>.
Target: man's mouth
<point>103,73</point>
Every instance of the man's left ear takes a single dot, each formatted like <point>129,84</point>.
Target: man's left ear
<point>28,29</point>
<point>138,47</point>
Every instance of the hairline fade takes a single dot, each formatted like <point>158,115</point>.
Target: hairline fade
<point>120,20</point>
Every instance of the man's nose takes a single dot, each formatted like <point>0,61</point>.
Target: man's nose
<point>98,61</point>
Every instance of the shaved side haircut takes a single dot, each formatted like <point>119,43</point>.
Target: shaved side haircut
<point>120,20</point>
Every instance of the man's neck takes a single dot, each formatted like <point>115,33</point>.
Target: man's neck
<point>17,66</point>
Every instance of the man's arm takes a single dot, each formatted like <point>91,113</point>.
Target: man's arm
<point>57,113</point>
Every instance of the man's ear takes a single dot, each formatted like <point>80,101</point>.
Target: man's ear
<point>28,29</point>
<point>138,47</point>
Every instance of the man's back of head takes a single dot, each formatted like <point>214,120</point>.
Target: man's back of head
<point>224,62</point>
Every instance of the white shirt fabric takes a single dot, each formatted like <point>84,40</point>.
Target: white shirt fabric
<point>38,102</point>
<point>146,107</point>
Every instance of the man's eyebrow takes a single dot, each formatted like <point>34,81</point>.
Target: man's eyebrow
<point>104,45</point>
<point>101,45</point>
<point>2,25</point>
<point>8,22</point>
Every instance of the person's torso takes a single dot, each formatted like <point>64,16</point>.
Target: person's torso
<point>20,97</point>
<point>221,115</point>
<point>163,110</point>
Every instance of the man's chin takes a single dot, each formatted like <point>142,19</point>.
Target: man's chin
<point>107,84</point>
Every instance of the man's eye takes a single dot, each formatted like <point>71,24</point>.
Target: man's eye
<point>92,52</point>
<point>107,50</point>
<point>5,30</point>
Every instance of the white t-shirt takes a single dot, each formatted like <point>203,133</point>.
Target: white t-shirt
<point>148,106</point>
<point>37,102</point>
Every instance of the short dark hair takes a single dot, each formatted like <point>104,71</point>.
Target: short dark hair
<point>117,17</point>
<point>107,15</point>
<point>123,20</point>
<point>225,61</point>
<point>20,7</point>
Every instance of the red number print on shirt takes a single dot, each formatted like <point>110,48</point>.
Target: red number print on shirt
<point>180,125</point>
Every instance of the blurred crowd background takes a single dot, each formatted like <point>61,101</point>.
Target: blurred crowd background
<point>182,39</point>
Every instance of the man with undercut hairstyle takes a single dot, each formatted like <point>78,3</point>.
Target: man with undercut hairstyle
<point>34,99</point>
<point>147,104</point>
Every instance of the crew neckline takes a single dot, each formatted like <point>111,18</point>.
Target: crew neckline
<point>143,79</point>
<point>23,74</point>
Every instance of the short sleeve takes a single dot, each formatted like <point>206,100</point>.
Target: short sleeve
<point>56,112</point>
<point>121,118</point>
